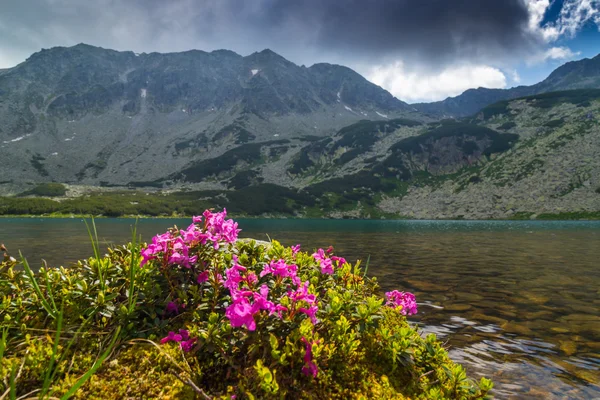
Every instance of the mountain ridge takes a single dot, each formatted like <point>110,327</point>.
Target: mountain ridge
<point>567,76</point>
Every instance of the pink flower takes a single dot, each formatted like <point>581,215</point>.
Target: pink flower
<point>319,255</point>
<point>405,300</point>
<point>202,277</point>
<point>220,229</point>
<point>326,267</point>
<point>324,261</point>
<point>172,308</point>
<point>251,278</point>
<point>187,345</point>
<point>171,337</point>
<point>280,268</point>
<point>311,312</point>
<point>295,249</point>
<point>340,260</point>
<point>310,368</point>
<point>301,294</point>
<point>233,277</point>
<point>261,301</point>
<point>240,313</point>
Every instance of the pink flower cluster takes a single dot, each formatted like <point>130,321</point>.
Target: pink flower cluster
<point>217,228</point>
<point>175,249</point>
<point>405,300</point>
<point>183,338</point>
<point>247,301</point>
<point>325,262</point>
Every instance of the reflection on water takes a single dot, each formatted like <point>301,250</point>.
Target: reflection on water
<point>516,301</point>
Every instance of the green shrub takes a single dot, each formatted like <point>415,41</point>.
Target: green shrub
<point>248,153</point>
<point>55,323</point>
<point>555,123</point>
<point>507,125</point>
<point>47,189</point>
<point>499,108</point>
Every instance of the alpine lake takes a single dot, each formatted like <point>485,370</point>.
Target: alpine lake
<point>515,301</point>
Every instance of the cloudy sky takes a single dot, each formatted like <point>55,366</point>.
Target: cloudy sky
<point>423,50</point>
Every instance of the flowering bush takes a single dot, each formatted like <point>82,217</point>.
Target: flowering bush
<point>234,318</point>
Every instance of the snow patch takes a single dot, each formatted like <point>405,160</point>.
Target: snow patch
<point>254,71</point>
<point>54,154</point>
<point>380,114</point>
<point>17,139</point>
<point>143,93</point>
<point>348,108</point>
<point>276,135</point>
<point>68,139</point>
<point>339,95</point>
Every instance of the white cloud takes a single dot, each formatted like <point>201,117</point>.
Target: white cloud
<point>514,75</point>
<point>553,53</point>
<point>573,15</point>
<point>414,86</point>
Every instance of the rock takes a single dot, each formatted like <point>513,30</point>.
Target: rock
<point>458,307</point>
<point>515,327</point>
<point>568,347</point>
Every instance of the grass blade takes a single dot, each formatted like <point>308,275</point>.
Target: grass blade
<point>83,379</point>
<point>52,311</point>
<point>13,383</point>
<point>49,369</point>
<point>96,247</point>
<point>367,265</point>
<point>3,341</point>
<point>44,272</point>
<point>135,254</point>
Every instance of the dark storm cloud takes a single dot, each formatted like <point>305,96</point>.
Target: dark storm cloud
<point>428,32</point>
<point>434,29</point>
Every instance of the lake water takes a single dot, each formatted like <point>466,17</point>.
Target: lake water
<point>518,302</point>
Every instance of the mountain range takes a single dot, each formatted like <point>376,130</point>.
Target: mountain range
<point>582,74</point>
<point>262,135</point>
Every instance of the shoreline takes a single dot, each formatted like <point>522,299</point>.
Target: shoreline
<point>550,217</point>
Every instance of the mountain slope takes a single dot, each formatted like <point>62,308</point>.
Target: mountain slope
<point>93,116</point>
<point>582,74</point>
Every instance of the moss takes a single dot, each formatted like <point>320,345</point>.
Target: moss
<point>138,371</point>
